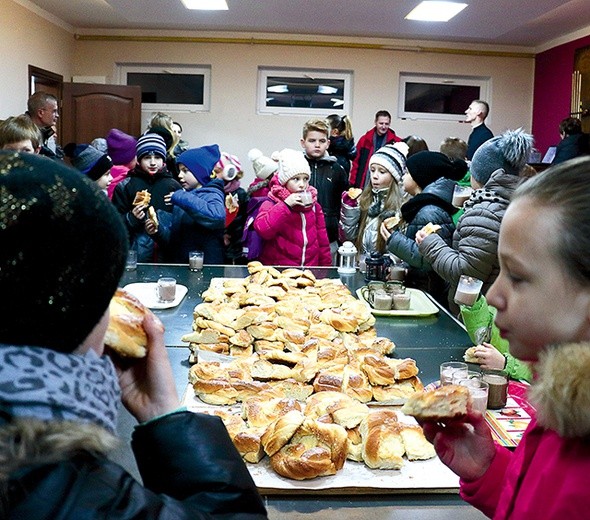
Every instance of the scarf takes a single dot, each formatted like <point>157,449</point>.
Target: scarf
<point>49,385</point>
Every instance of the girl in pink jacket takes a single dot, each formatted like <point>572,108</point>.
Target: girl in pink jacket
<point>543,299</point>
<point>291,222</point>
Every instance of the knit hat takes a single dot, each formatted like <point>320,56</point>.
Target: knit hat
<point>121,146</point>
<point>509,151</point>
<point>88,160</point>
<point>263,166</point>
<point>392,159</point>
<point>229,165</point>
<point>56,299</point>
<point>426,167</point>
<point>200,162</point>
<point>291,163</point>
<point>150,143</point>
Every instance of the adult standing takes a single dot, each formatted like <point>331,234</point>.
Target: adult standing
<point>475,115</point>
<point>43,110</point>
<point>573,142</point>
<point>380,135</point>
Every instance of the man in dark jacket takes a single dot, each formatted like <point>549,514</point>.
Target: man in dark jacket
<point>475,114</point>
<point>380,135</point>
<point>573,141</point>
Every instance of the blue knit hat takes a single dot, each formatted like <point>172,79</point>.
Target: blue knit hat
<point>200,161</point>
<point>151,143</point>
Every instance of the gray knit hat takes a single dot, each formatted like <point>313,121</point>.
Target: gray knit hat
<point>88,160</point>
<point>392,159</point>
<point>509,152</point>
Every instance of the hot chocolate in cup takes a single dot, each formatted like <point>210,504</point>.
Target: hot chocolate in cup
<point>306,198</point>
<point>166,289</point>
<point>460,195</point>
<point>498,392</point>
<point>467,290</point>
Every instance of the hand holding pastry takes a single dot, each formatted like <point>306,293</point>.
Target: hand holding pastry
<point>486,355</point>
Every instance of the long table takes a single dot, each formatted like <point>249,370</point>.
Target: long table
<point>429,340</point>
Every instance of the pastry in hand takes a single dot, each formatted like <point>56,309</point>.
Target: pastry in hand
<point>430,228</point>
<point>445,403</point>
<point>125,334</point>
<point>142,197</point>
<point>470,356</point>
<point>391,222</point>
<point>354,193</point>
<point>151,215</point>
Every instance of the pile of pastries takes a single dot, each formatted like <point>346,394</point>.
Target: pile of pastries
<point>303,360</point>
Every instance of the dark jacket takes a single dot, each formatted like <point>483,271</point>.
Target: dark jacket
<point>158,185</point>
<point>571,146</point>
<point>234,253</point>
<point>330,179</point>
<point>195,224</point>
<point>434,205</point>
<point>188,464</point>
<point>478,136</point>
<point>344,150</point>
<point>365,149</point>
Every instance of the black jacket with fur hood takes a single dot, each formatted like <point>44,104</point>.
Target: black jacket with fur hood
<point>189,466</point>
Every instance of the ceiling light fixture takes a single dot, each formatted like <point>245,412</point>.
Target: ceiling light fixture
<point>326,89</point>
<point>206,5</point>
<point>278,89</point>
<point>434,11</point>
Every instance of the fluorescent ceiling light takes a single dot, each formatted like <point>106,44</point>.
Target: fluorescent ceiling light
<point>337,102</point>
<point>206,5</point>
<point>278,89</point>
<point>433,11</point>
<point>326,89</point>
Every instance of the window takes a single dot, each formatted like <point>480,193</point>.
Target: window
<point>444,98</point>
<point>297,91</point>
<point>169,88</point>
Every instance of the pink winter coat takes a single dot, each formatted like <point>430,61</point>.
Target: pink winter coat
<point>547,476</point>
<point>292,236</point>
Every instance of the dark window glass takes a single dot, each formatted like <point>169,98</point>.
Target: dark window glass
<point>183,89</point>
<point>435,98</point>
<point>319,93</point>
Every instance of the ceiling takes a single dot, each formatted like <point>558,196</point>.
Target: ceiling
<point>528,23</point>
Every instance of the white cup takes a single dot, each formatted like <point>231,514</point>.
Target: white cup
<point>166,289</point>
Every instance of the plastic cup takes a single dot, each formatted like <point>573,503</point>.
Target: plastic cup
<point>468,290</point>
<point>460,195</point>
<point>166,289</point>
<point>498,388</point>
<point>306,198</point>
<point>131,262</point>
<point>479,393</point>
<point>195,260</point>
<point>449,369</point>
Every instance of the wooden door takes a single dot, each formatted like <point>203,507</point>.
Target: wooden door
<point>90,110</point>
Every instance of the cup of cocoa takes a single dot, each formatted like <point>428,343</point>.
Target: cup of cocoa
<point>166,289</point>
<point>467,290</point>
<point>306,198</point>
<point>498,388</point>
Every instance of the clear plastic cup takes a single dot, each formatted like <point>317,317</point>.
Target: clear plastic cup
<point>479,393</point>
<point>468,290</point>
<point>166,289</point>
<point>449,369</point>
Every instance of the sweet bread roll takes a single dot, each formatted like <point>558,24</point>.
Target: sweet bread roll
<point>279,433</point>
<point>444,403</point>
<point>415,444</point>
<point>470,356</point>
<point>430,228</point>
<point>142,197</point>
<point>382,444</point>
<point>125,333</point>
<point>151,215</point>
<point>391,222</point>
<point>354,193</point>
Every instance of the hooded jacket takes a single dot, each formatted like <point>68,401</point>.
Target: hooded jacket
<point>292,236</point>
<point>547,475</point>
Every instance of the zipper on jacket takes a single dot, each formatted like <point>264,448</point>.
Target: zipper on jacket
<point>304,233</point>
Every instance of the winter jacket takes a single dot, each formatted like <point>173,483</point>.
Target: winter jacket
<point>188,464</point>
<point>330,180</point>
<point>481,314</point>
<point>571,146</point>
<point>350,215</point>
<point>547,475</point>
<point>344,150</point>
<point>235,230</point>
<point>365,149</point>
<point>195,224</point>
<point>433,204</point>
<point>292,236</point>
<point>158,186</point>
<point>118,173</point>
<point>474,250</point>
<point>479,135</point>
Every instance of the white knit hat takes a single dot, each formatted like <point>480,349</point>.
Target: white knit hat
<point>263,166</point>
<point>291,163</point>
<point>392,159</point>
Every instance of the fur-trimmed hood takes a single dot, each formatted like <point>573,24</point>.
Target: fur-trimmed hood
<point>561,390</point>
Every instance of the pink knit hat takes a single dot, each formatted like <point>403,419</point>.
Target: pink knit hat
<point>230,165</point>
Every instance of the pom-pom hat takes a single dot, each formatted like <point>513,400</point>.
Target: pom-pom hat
<point>509,152</point>
<point>121,146</point>
<point>392,159</point>
<point>426,167</point>
<point>263,166</point>
<point>151,144</point>
<point>200,161</point>
<point>88,160</point>
<point>291,164</point>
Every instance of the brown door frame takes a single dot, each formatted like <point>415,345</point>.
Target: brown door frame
<point>50,81</point>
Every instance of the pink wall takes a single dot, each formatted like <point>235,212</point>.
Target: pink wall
<point>552,91</point>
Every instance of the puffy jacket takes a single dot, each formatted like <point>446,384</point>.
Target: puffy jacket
<point>474,250</point>
<point>330,180</point>
<point>158,185</point>
<point>344,150</point>
<point>365,149</point>
<point>292,236</point>
<point>188,464</point>
<point>196,223</point>
<point>547,475</point>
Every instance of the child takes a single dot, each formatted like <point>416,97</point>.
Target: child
<point>495,173</point>
<point>198,211</point>
<point>293,230</point>
<point>429,179</point>
<point>121,148</point>
<point>491,353</point>
<point>150,174</point>
<point>229,170</point>
<point>91,162</point>
<point>361,218</point>
<point>341,141</point>
<point>327,176</point>
<point>542,297</point>
<point>61,390</point>
<point>264,168</point>
<point>20,134</point>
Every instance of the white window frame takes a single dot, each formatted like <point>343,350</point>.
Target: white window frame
<point>154,68</point>
<point>484,84</point>
<point>265,72</point>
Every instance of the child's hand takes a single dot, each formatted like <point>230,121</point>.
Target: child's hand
<point>489,357</point>
<point>420,236</point>
<point>384,232</point>
<point>168,199</point>
<point>139,211</point>
<point>294,200</point>
<point>150,227</point>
